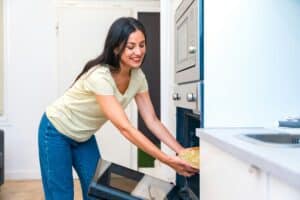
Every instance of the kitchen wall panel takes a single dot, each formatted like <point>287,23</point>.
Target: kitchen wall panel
<point>1,59</point>
<point>251,62</point>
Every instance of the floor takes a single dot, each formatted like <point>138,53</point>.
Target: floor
<point>29,190</point>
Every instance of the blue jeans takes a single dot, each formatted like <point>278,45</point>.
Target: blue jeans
<point>58,154</point>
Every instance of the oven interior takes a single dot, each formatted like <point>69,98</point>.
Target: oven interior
<point>186,123</point>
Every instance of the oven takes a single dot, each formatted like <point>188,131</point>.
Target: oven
<point>189,89</point>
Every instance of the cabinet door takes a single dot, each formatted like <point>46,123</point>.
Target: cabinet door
<point>186,38</point>
<point>227,178</point>
<point>77,43</point>
<point>280,190</point>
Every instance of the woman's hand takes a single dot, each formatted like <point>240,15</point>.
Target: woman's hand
<point>181,167</point>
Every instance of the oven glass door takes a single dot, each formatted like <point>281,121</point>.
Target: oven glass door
<point>115,182</point>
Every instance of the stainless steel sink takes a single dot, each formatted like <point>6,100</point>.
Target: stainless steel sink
<point>274,139</point>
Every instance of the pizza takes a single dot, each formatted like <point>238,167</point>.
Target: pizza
<point>191,155</point>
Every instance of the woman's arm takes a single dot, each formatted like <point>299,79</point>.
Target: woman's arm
<point>115,113</point>
<point>147,112</point>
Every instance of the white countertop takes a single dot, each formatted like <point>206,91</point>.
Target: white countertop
<point>281,162</point>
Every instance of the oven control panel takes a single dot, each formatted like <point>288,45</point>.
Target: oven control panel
<point>188,96</point>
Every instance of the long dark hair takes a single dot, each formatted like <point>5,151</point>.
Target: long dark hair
<point>116,38</point>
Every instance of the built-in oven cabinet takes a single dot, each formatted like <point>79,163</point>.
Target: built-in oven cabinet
<point>186,36</point>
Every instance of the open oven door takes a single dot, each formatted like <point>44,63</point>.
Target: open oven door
<point>115,182</point>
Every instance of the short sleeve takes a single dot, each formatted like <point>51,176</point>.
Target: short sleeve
<point>143,86</point>
<point>98,82</point>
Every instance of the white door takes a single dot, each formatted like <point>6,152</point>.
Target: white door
<point>81,33</point>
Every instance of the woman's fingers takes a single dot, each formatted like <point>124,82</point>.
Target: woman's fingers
<point>187,174</point>
<point>182,167</point>
<point>189,167</point>
<point>192,171</point>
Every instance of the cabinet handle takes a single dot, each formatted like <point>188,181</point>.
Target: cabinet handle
<point>192,49</point>
<point>253,169</point>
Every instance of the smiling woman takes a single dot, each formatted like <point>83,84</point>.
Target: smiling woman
<point>100,93</point>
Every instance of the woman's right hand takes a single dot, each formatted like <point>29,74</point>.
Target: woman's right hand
<point>181,167</point>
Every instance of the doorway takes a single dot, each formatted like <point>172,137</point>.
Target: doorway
<point>151,68</point>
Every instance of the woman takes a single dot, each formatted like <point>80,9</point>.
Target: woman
<point>99,93</point>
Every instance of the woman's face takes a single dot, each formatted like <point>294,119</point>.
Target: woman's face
<point>134,51</point>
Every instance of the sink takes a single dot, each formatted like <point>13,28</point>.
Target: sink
<point>273,139</point>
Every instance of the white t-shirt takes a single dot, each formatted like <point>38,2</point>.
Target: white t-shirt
<point>78,115</point>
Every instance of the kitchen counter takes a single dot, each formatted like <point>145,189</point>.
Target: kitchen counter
<point>280,162</point>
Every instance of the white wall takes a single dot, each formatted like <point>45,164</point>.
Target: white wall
<point>30,81</point>
<point>252,63</point>
<point>31,78</point>
<point>1,57</point>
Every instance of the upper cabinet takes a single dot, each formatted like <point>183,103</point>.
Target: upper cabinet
<point>186,35</point>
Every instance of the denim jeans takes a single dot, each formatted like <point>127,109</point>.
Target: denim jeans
<point>58,154</point>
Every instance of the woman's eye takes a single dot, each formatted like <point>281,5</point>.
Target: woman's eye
<point>130,47</point>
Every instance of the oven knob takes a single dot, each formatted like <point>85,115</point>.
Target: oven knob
<point>190,97</point>
<point>192,49</point>
<point>176,96</point>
